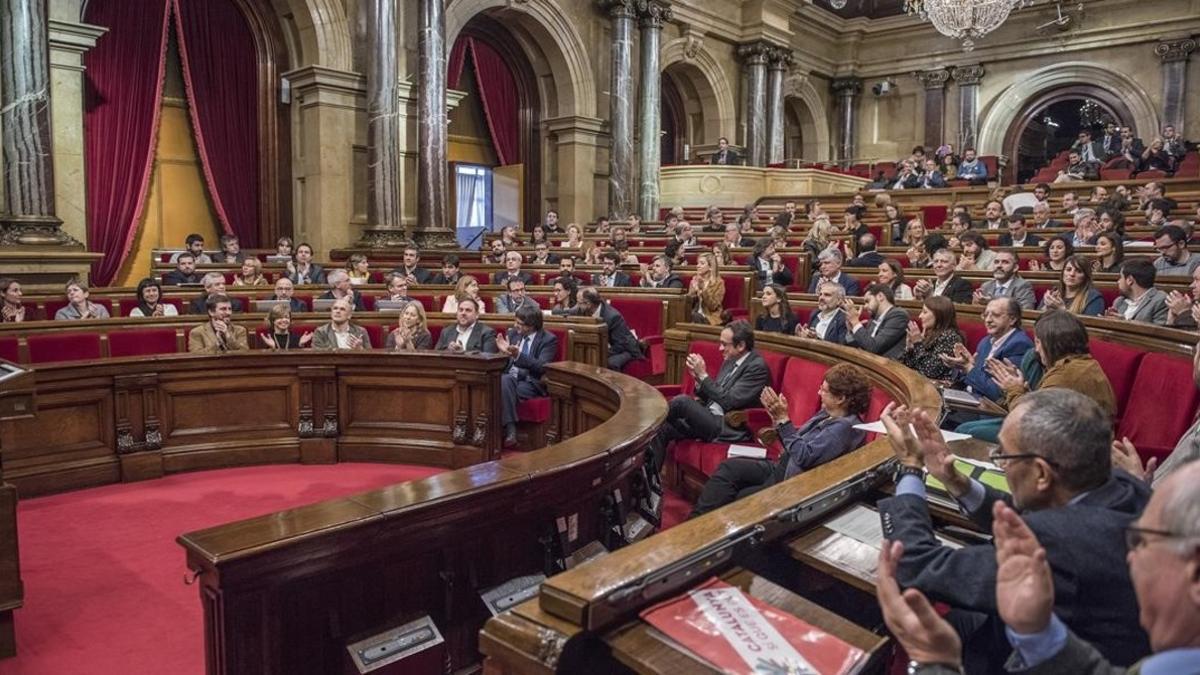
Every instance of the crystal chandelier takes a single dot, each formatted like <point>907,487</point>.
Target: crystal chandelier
<point>964,19</point>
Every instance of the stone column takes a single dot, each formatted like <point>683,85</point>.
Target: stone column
<point>432,229</point>
<point>27,167</point>
<point>756,55</point>
<point>935,105</point>
<point>384,214</point>
<point>780,61</point>
<point>968,78</point>
<point>620,109</point>
<point>847,90</point>
<point>653,14</point>
<point>1174,55</point>
<point>69,41</point>
<point>576,143</point>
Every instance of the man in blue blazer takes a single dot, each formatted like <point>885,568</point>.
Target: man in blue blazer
<point>530,349</point>
<point>829,321</point>
<point>829,265</point>
<point>1005,341</point>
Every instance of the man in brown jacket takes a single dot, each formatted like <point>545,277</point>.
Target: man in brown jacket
<point>218,335</point>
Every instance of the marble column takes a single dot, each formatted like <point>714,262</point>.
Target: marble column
<point>384,217</point>
<point>755,56</point>
<point>1174,55</point>
<point>935,105</point>
<point>27,165</point>
<point>967,78</point>
<point>432,229</point>
<point>847,90</point>
<point>780,61</point>
<point>620,108</point>
<point>653,13</point>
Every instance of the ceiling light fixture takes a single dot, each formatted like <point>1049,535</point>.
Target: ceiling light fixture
<point>965,20</point>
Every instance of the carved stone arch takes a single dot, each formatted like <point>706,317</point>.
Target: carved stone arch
<point>325,33</point>
<point>708,79</point>
<point>540,25</point>
<point>999,115</point>
<point>798,89</point>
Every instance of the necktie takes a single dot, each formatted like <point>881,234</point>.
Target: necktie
<point>525,343</point>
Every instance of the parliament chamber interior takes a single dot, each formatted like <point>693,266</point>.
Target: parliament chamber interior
<point>599,336</point>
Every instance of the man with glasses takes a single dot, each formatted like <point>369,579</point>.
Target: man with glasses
<point>1174,257</point>
<point>1163,555</point>
<point>515,298</point>
<point>1055,450</point>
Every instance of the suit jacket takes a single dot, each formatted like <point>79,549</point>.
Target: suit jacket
<point>176,278</point>
<point>933,179</point>
<point>783,277</point>
<point>203,340</point>
<point>483,339</point>
<point>1096,148</point>
<point>888,340</point>
<point>505,305</point>
<point>501,278</point>
<point>620,338</point>
<point>959,290</point>
<point>868,259</point>
<point>909,182</point>
<point>849,283</point>
<point>1031,239</point>
<point>221,257</point>
<point>551,259</point>
<point>316,275</point>
<point>1111,145</point>
<point>1013,350</point>
<point>620,280</point>
<point>423,276</point>
<point>735,390</point>
<point>836,333</point>
<point>198,305</point>
<point>441,278</point>
<point>1050,223</point>
<point>1085,548</point>
<point>672,281</point>
<point>1018,288</point>
<point>358,299</point>
<point>728,157</point>
<point>1153,308</point>
<point>325,338</point>
<point>532,366</point>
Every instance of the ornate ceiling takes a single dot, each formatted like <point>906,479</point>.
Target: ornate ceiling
<point>872,9</point>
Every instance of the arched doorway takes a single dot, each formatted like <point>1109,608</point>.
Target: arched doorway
<point>674,124</point>
<point>1049,123</point>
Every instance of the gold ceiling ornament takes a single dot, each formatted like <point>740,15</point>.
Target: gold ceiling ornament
<point>965,20</point>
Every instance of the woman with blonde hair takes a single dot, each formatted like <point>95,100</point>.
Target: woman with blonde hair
<point>413,331</point>
<point>707,290</point>
<point>251,274</point>
<point>721,251</point>
<point>574,237</point>
<point>819,236</point>
<point>279,335</point>
<point>358,268</point>
<point>467,287</point>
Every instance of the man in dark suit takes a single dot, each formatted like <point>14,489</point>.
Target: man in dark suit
<point>512,270</point>
<point>828,323</point>
<point>1018,233</point>
<point>542,255</point>
<point>724,155</point>
<point>945,281</point>
<point>340,287</point>
<point>416,275</point>
<point>231,251</point>
<point>467,334</point>
<point>884,334</point>
<point>623,347</point>
<point>184,272</point>
<point>214,284</point>
<point>1089,151</point>
<point>1041,217</point>
<point>786,216</point>
<point>1110,141</point>
<point>530,349</point>
<point>829,268</point>
<point>450,273</point>
<point>610,276</point>
<point>659,275</point>
<point>867,255</point>
<point>737,386</point>
<point>1056,453</point>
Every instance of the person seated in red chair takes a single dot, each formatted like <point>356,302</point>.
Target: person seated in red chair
<point>530,349</point>
<point>450,273</point>
<point>78,305</point>
<point>829,321</point>
<point>515,298</point>
<point>231,251</point>
<point>467,334</point>
<point>609,275</point>
<point>845,394</point>
<point>659,275</point>
<point>512,270</point>
<point>214,282</point>
<point>413,331</point>
<point>737,386</point>
<point>184,272</point>
<point>218,335</point>
<point>945,282</point>
<point>13,311</point>
<point>340,287</point>
<point>284,290</point>
<point>829,266</point>
<point>194,244</point>
<point>339,333</point>
<point>884,334</point>
<point>971,169</point>
<point>279,335</point>
<point>150,304</point>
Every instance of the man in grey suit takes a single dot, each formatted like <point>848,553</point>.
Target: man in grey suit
<point>339,333</point>
<point>515,298</point>
<point>737,386</point>
<point>1164,544</point>
<point>1006,283</point>
<point>467,334</point>
<point>1055,449</point>
<point>530,349</point>
<point>884,333</point>
<point>1140,300</point>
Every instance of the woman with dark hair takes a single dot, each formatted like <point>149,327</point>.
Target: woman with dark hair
<point>845,393</point>
<point>932,336</point>
<point>895,222</point>
<point>1061,342</point>
<point>1057,251</point>
<point>566,295</point>
<point>1075,291</point>
<point>891,273</point>
<point>777,316</point>
<point>538,235</point>
<point>1110,254</point>
<point>13,311</point>
<point>149,303</point>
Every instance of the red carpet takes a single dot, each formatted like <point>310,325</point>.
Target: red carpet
<point>104,590</point>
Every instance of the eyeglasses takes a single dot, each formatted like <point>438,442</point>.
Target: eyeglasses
<point>1136,537</point>
<point>1002,460</point>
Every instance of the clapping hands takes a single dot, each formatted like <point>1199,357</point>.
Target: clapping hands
<point>961,359</point>
<point>776,405</point>
<point>1006,375</point>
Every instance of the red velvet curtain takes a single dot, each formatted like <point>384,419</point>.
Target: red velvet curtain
<point>454,66</point>
<point>501,105</point>
<point>220,71</point>
<point>124,75</point>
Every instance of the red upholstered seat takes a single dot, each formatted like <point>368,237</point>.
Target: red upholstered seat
<point>435,332</point>
<point>933,215</point>
<point>141,342</point>
<point>426,301</point>
<point>534,410</point>
<point>776,363</point>
<point>1110,294</point>
<point>63,347</point>
<point>1161,404</point>
<point>10,349</point>
<point>369,301</point>
<point>563,335</point>
<point>1153,174</point>
<point>973,332</point>
<point>375,331</point>
<point>1120,365</point>
<point>306,299</point>
<point>801,379</point>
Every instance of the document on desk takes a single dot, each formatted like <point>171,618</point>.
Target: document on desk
<point>878,428</point>
<point>861,523</point>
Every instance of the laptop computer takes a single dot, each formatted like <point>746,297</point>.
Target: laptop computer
<point>391,305</point>
<point>266,305</point>
<point>322,304</point>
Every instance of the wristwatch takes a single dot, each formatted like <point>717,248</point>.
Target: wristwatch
<point>903,470</point>
<point>915,668</point>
